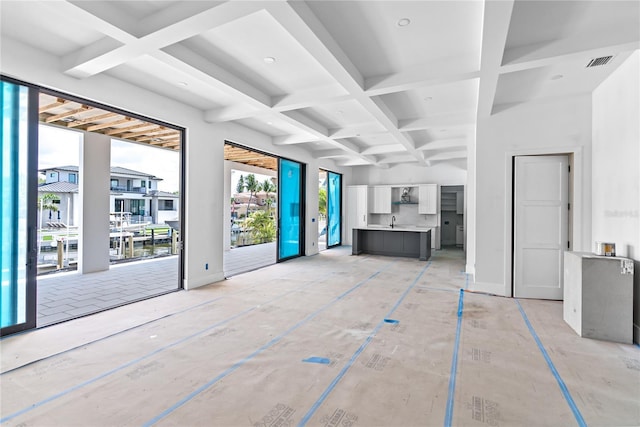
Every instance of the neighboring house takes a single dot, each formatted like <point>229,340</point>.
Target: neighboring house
<point>131,191</point>
<point>259,201</point>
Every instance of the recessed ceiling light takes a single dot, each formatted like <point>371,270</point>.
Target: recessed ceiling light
<point>183,83</point>
<point>403,22</point>
<point>68,119</point>
<point>557,77</point>
<point>269,59</point>
<point>269,123</point>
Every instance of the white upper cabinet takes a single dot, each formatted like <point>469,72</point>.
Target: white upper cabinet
<point>380,201</point>
<point>428,199</point>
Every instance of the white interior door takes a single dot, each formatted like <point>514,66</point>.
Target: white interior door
<point>541,225</point>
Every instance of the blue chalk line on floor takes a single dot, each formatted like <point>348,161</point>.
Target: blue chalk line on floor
<point>359,351</point>
<point>454,364</point>
<point>554,371</point>
<point>157,351</point>
<point>269,344</point>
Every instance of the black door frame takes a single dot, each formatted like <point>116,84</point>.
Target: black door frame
<point>32,179</point>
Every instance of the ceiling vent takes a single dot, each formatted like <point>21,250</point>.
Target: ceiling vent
<point>603,60</point>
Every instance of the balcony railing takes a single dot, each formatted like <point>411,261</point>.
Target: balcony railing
<point>124,189</point>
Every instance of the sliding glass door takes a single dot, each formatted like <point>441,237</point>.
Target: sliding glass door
<point>17,221</point>
<point>290,209</point>
<point>334,211</point>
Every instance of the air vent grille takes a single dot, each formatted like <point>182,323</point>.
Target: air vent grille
<point>603,60</point>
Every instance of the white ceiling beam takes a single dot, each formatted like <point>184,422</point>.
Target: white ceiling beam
<point>464,118</point>
<point>384,149</point>
<point>232,112</point>
<point>309,98</point>
<point>358,162</point>
<point>304,26</point>
<point>321,133</point>
<point>133,47</point>
<point>495,28</point>
<point>419,77</point>
<point>187,61</point>
<point>390,122</point>
<point>355,131</point>
<point>293,139</point>
<point>524,61</point>
<point>407,158</point>
<point>444,144</point>
<point>75,13</point>
<point>329,154</point>
<point>462,154</point>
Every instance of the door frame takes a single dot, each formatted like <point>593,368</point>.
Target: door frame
<point>303,216</point>
<point>34,123</point>
<point>341,198</point>
<point>31,287</point>
<point>579,235</point>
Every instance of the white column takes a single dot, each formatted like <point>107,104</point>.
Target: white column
<point>93,239</point>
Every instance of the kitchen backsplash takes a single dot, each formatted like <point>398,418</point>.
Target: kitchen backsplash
<point>405,215</point>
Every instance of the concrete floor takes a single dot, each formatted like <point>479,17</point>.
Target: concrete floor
<point>327,340</point>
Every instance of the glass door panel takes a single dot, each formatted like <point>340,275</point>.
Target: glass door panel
<point>17,295</point>
<point>334,225</point>
<point>290,178</point>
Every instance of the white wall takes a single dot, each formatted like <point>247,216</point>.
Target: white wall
<point>203,151</point>
<point>616,167</point>
<point>552,127</point>
<point>93,231</point>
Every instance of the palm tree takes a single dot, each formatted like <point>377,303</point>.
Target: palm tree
<point>322,201</point>
<point>252,186</point>
<point>262,226</point>
<point>268,187</point>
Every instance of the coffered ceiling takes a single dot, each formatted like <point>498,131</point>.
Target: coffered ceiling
<point>363,82</point>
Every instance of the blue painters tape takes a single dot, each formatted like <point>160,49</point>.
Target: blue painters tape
<point>315,359</point>
<point>155,352</point>
<point>448,417</point>
<point>274,341</point>
<point>392,321</point>
<point>554,371</point>
<point>355,355</point>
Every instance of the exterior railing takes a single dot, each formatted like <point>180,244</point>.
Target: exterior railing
<point>124,189</point>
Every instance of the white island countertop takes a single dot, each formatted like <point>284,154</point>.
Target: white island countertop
<point>398,227</point>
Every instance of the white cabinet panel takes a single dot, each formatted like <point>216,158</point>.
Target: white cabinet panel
<point>357,207</point>
<point>428,199</point>
<point>380,199</point>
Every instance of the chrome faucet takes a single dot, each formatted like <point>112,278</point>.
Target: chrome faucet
<point>393,219</point>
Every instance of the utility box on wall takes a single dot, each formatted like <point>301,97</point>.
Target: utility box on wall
<point>598,296</point>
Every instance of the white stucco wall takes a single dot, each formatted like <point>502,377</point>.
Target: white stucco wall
<point>616,167</point>
<point>545,127</point>
<point>93,231</point>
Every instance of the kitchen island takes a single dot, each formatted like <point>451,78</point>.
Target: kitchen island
<point>402,241</point>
